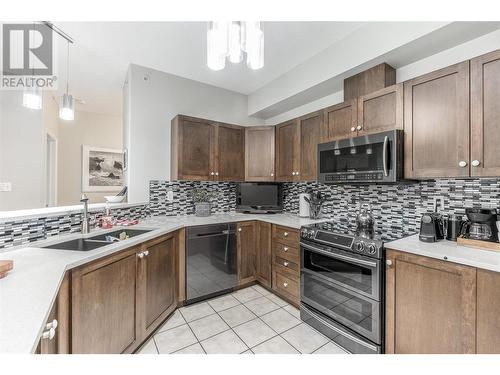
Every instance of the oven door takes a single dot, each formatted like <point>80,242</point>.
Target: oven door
<point>358,274</point>
<point>329,285</point>
<point>371,157</point>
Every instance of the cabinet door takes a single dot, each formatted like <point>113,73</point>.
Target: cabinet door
<point>193,149</point>
<point>246,251</point>
<point>381,110</point>
<point>311,129</point>
<point>104,305</point>
<point>160,280</point>
<point>230,156</point>
<point>488,312</point>
<point>287,150</point>
<point>436,123</point>
<point>259,153</point>
<point>340,121</point>
<point>485,115</point>
<point>430,305</point>
<point>264,253</point>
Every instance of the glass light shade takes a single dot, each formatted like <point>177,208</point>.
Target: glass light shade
<point>215,60</point>
<point>254,45</point>
<point>67,108</point>
<point>32,98</point>
<point>235,52</point>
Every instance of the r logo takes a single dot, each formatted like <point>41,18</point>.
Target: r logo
<point>27,50</point>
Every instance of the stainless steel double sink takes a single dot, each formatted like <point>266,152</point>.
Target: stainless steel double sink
<point>95,242</point>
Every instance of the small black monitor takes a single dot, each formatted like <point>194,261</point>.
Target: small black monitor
<point>259,197</point>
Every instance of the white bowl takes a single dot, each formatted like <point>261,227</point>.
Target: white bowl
<point>114,198</point>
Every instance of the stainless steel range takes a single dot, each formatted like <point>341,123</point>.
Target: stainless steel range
<point>342,286</point>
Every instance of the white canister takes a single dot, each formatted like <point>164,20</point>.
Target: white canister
<point>304,208</point>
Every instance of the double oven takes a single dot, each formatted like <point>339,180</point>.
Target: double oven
<point>342,293</point>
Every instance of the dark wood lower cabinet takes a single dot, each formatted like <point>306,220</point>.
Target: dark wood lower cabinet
<point>488,312</point>
<point>263,272</point>
<point>119,300</point>
<point>430,306</point>
<point>104,305</point>
<point>246,239</point>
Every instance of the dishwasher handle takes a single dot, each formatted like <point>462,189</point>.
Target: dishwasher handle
<point>213,234</point>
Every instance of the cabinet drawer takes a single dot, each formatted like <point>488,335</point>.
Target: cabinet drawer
<point>281,263</point>
<point>286,285</point>
<point>287,252</point>
<point>286,235</point>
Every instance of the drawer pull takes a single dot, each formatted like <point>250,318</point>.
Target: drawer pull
<point>285,234</point>
<point>146,253</point>
<point>285,284</point>
<point>140,255</point>
<point>52,324</point>
<point>285,263</point>
<point>285,249</point>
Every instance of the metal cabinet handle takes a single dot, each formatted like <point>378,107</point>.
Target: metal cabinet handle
<point>388,262</point>
<point>140,255</point>
<point>272,174</point>
<point>285,249</point>
<point>359,127</point>
<point>146,253</point>
<point>239,229</point>
<point>212,173</point>
<point>49,334</point>
<point>296,173</point>
<point>285,234</point>
<point>462,164</point>
<point>216,173</point>
<point>475,163</point>
<point>293,173</point>
<point>285,284</point>
<point>285,264</point>
<point>384,156</point>
<point>353,129</point>
<point>52,324</point>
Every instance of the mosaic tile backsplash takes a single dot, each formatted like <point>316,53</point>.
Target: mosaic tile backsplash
<point>25,231</point>
<point>397,208</point>
<point>223,196</point>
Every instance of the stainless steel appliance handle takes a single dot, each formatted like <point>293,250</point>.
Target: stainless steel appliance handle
<point>384,156</point>
<point>339,331</point>
<point>357,261</point>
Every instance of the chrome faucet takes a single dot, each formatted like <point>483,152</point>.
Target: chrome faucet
<point>85,215</point>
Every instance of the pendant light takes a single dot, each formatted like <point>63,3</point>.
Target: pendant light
<point>32,96</point>
<point>67,105</point>
<point>232,40</point>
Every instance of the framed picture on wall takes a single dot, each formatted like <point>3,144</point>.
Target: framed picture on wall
<point>102,169</point>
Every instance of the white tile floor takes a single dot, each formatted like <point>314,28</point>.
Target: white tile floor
<point>251,320</point>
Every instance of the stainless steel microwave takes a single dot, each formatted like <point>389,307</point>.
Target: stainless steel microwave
<point>368,158</point>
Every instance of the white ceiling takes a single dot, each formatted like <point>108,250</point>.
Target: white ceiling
<point>103,50</point>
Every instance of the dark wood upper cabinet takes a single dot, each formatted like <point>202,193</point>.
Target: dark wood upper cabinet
<point>259,153</point>
<point>340,120</point>
<point>311,129</point>
<point>263,249</point>
<point>204,150</point>
<point>485,115</point>
<point>436,123</point>
<point>246,240</point>
<point>430,306</point>
<point>104,305</point>
<point>159,280</point>
<point>368,81</point>
<point>381,110</point>
<point>192,148</point>
<point>287,150</point>
<point>230,158</point>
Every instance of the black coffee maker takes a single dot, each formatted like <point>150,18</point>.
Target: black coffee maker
<point>481,224</point>
<point>432,224</point>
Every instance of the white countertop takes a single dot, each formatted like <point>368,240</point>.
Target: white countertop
<point>29,290</point>
<point>448,251</point>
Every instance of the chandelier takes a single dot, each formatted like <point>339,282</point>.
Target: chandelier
<point>234,40</point>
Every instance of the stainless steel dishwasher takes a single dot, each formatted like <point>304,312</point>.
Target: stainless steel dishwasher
<point>211,267</point>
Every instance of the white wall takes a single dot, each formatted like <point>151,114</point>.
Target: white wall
<point>154,98</point>
<point>462,52</point>
<point>92,129</point>
<point>21,153</point>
